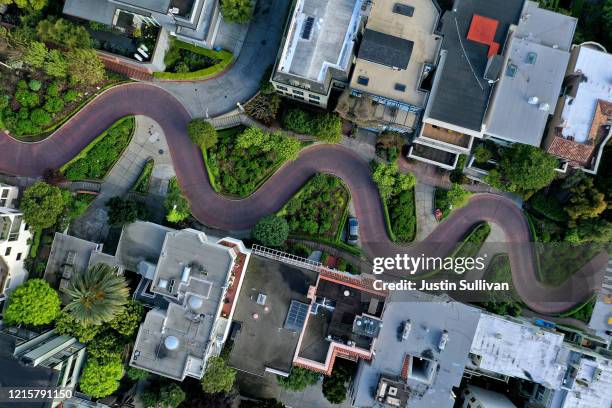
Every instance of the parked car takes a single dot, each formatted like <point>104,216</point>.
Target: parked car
<point>353,231</point>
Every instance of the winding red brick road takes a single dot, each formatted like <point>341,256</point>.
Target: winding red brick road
<point>217,211</point>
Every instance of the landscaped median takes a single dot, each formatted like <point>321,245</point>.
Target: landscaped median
<point>98,157</point>
<point>396,191</point>
<point>188,62</point>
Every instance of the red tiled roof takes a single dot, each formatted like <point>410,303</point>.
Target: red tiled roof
<point>405,367</point>
<point>606,107</point>
<point>483,29</point>
<point>493,49</point>
<point>577,153</point>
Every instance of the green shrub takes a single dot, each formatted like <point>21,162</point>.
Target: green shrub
<point>70,95</point>
<point>299,379</point>
<point>27,99</point>
<point>324,126</point>
<point>34,85</point>
<point>53,90</point>
<point>40,117</point>
<point>271,231</point>
<point>101,380</point>
<point>177,206</point>
<point>100,155</point>
<point>53,105</point>
<point>548,206</point>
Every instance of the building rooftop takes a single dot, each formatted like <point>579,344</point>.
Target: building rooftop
<point>592,386</point>
<point>194,273</point>
<point>140,241</point>
<point>262,340</point>
<point>417,362</point>
<point>579,111</point>
<point>320,37</point>
<point>519,350</point>
<point>396,38</point>
<point>530,81</point>
<point>460,93</point>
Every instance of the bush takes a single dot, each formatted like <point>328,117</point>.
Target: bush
<point>63,33</point>
<point>85,67</point>
<point>53,105</point>
<point>101,380</point>
<point>127,321</point>
<point>26,99</point>
<point>106,347</point>
<point>96,160</point>
<point>482,154</point>
<point>33,303</point>
<point>168,395</point>
<point>56,65</point>
<point>34,85</point>
<point>271,230</point>
<point>335,386</point>
<point>237,11</point>
<point>70,95</point>
<point>66,325</point>
<point>136,374</point>
<point>202,133</point>
<point>40,117</point>
<point>548,206</point>
<point>177,206</point>
<point>264,107</point>
<point>53,90</point>
<point>324,126</point>
<point>42,204</point>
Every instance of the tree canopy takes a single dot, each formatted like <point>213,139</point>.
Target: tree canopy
<point>167,395</point>
<point>34,5</point>
<point>100,380</point>
<point>34,303</point>
<point>324,126</point>
<point>41,205</point>
<point>334,386</point>
<point>202,133</point>
<point>63,33</point>
<point>285,147</point>
<point>271,230</point>
<point>218,376</point>
<point>97,295</point>
<point>523,169</point>
<point>390,181</point>
<point>237,11</point>
<point>85,67</point>
<point>127,320</point>
<point>66,324</point>
<point>585,201</point>
<point>121,212</point>
<point>299,379</point>
<point>457,196</point>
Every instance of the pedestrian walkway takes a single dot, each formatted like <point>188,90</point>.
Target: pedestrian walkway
<point>424,201</point>
<point>148,142</point>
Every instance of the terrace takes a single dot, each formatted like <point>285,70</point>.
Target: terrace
<point>442,158</point>
<point>446,136</point>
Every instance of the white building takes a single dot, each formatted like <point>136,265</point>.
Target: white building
<point>478,397</point>
<point>14,242</point>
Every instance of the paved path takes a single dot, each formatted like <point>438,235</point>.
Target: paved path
<point>217,211</point>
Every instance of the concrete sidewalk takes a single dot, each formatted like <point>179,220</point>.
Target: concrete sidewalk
<point>148,142</point>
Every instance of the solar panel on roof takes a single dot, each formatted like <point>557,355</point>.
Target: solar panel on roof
<point>403,9</point>
<point>296,317</point>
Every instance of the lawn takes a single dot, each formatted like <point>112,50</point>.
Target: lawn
<point>186,61</point>
<point>144,179</point>
<point>97,158</point>
<point>237,171</point>
<point>318,209</point>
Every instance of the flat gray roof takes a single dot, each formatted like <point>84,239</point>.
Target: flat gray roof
<point>429,316</point>
<point>265,342</point>
<point>160,6</point>
<point>385,49</point>
<point>140,241</point>
<point>546,27</point>
<point>319,36</point>
<point>101,11</point>
<point>510,115</point>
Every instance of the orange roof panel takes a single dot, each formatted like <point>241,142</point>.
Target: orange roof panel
<point>482,29</point>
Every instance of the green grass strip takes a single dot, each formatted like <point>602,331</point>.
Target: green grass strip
<point>224,56</point>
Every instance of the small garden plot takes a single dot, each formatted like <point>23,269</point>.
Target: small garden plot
<point>449,200</point>
<point>144,179</point>
<point>96,160</point>
<point>318,209</point>
<point>502,302</point>
<point>186,61</point>
<point>238,165</point>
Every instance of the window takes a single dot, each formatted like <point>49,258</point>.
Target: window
<point>311,96</point>
<point>5,193</point>
<point>3,202</point>
<point>301,98</point>
<point>296,92</point>
<point>282,88</point>
<point>7,252</point>
<point>400,87</point>
<point>307,30</point>
<point>363,80</point>
<point>19,256</point>
<point>313,101</point>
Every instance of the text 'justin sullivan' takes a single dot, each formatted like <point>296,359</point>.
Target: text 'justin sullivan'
<point>444,285</point>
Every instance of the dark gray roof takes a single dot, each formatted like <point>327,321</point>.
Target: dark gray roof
<point>462,93</point>
<point>160,6</point>
<point>385,49</point>
<point>15,374</point>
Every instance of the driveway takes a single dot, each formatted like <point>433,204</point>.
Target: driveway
<point>220,95</point>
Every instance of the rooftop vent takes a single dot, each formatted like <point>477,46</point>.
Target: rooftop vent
<point>403,9</point>
<point>307,30</point>
<point>531,58</point>
<point>171,343</point>
<point>544,107</point>
<point>363,80</point>
<point>195,302</point>
<point>534,100</point>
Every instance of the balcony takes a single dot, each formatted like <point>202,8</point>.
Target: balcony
<point>446,136</point>
<point>431,155</point>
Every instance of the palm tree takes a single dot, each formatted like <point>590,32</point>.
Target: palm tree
<point>97,295</point>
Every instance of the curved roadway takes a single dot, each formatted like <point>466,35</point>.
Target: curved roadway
<point>214,210</point>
